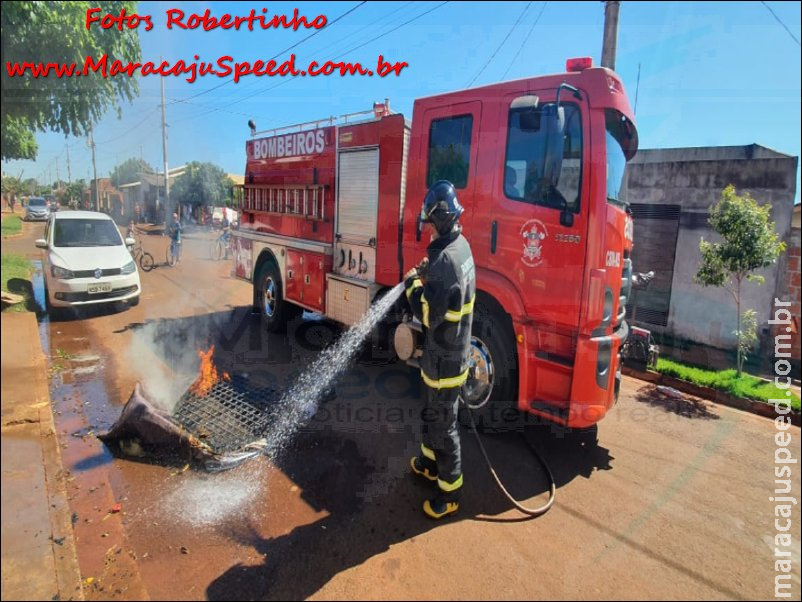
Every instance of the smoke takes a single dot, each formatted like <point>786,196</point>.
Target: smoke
<point>163,379</point>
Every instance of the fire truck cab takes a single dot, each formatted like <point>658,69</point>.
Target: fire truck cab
<point>330,219</point>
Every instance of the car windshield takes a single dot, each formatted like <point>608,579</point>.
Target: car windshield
<point>85,233</point>
<point>36,203</point>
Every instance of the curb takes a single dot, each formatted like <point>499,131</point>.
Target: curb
<point>50,489</point>
<point>758,408</point>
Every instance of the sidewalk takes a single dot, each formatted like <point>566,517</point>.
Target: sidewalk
<point>38,548</point>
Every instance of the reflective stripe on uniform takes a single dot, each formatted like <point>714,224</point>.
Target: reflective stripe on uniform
<point>412,286</point>
<point>424,310</point>
<point>445,383</point>
<point>450,486</point>
<point>427,453</point>
<point>456,315</point>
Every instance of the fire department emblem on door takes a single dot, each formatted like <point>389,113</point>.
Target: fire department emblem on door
<point>534,233</point>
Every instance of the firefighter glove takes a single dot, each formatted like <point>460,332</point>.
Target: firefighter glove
<point>423,267</point>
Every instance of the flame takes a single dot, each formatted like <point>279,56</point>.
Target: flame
<point>208,374</point>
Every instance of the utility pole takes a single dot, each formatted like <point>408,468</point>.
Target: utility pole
<point>94,167</point>
<point>69,173</point>
<point>69,177</point>
<point>610,34</point>
<point>164,150</point>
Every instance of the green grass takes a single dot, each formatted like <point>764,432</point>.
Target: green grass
<point>746,387</point>
<point>17,268</point>
<point>11,224</point>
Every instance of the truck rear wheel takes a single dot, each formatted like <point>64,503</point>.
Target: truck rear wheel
<point>491,391</point>
<point>274,309</point>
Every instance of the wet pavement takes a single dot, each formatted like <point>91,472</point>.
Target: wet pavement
<point>670,504</point>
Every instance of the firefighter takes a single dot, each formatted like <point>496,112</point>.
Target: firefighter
<point>441,293</point>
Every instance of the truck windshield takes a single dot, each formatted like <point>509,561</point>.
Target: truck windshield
<point>620,136</point>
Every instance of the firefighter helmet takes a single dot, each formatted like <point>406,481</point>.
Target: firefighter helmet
<point>441,207</point>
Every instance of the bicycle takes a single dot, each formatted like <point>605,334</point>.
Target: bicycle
<point>173,253</point>
<point>220,247</point>
<point>142,257</point>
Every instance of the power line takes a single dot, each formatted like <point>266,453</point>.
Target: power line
<point>526,39</point>
<point>328,25</point>
<point>509,33</point>
<point>286,81</point>
<point>781,23</point>
<point>126,132</point>
<point>392,30</point>
<point>348,51</point>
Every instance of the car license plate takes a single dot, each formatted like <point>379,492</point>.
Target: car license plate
<point>98,288</point>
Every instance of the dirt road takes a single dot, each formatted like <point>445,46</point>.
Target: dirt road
<point>672,504</point>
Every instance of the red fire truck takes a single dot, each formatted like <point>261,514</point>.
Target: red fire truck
<point>330,220</point>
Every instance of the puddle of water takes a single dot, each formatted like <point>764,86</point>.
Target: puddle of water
<point>83,371</point>
<point>203,500</point>
<point>85,359</point>
<point>38,285</point>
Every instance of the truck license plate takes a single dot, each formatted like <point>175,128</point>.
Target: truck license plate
<point>98,288</point>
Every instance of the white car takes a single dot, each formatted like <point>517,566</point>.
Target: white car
<point>86,261</point>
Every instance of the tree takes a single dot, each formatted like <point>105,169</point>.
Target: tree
<point>128,171</point>
<point>202,184</point>
<point>749,242</point>
<point>73,192</point>
<point>42,32</point>
<point>11,185</point>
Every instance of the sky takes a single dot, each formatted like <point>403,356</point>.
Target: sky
<point>698,73</point>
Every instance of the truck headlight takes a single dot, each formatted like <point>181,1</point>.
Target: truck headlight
<point>128,268</point>
<point>61,273</point>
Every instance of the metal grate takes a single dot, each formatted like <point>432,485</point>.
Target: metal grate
<point>648,211</point>
<point>230,416</point>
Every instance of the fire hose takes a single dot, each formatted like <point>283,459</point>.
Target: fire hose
<point>552,486</point>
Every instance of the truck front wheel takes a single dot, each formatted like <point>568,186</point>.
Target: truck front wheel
<point>274,309</point>
<point>491,390</point>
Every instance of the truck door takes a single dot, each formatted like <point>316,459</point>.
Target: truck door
<point>450,151</point>
<point>534,237</point>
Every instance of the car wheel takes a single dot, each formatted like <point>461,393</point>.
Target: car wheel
<point>54,314</point>
<point>133,302</point>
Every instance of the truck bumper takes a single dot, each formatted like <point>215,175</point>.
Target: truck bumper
<point>574,393</point>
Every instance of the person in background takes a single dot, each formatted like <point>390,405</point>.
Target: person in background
<point>174,232</point>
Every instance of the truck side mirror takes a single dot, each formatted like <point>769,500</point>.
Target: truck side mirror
<point>553,124</point>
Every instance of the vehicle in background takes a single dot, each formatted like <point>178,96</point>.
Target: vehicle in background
<point>85,261</point>
<point>37,209</point>
<point>219,212</point>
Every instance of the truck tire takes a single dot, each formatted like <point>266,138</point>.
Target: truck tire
<point>491,391</point>
<point>269,295</point>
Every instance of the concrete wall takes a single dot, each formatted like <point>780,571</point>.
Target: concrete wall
<point>693,179</point>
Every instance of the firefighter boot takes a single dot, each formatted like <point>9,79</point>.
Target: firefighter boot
<point>424,467</point>
<point>444,504</point>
